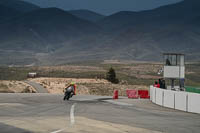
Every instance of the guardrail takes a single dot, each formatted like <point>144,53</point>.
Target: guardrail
<point>185,101</point>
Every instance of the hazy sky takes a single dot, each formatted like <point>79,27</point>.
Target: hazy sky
<point>104,6</point>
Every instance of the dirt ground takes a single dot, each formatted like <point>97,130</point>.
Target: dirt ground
<point>85,86</point>
<point>71,68</point>
<point>15,87</point>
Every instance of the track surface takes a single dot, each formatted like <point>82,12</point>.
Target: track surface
<point>38,87</point>
<point>23,113</point>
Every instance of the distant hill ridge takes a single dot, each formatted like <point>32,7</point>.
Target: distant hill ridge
<point>19,5</point>
<point>49,36</point>
<point>87,15</point>
<point>43,28</point>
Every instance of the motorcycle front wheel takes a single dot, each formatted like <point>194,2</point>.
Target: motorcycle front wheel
<point>64,97</point>
<point>67,96</point>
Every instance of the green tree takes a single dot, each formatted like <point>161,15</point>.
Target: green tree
<point>111,76</point>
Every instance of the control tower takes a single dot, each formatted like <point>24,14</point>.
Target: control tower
<point>174,70</point>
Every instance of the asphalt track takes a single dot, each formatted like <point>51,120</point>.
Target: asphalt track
<point>38,87</point>
<point>48,113</point>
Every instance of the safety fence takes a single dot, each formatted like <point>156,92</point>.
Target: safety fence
<point>185,101</point>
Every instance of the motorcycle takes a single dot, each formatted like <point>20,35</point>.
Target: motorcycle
<point>69,92</point>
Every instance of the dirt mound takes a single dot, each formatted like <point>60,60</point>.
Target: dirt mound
<point>15,87</point>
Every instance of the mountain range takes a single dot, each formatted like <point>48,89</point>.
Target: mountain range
<point>49,36</point>
<point>87,15</point>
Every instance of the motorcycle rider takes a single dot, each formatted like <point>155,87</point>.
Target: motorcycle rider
<point>71,87</point>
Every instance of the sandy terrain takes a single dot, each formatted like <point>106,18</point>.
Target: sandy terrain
<point>15,87</point>
<point>85,86</point>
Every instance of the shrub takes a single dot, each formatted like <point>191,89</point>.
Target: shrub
<point>111,76</point>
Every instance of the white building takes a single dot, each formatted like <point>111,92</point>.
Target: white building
<point>174,69</point>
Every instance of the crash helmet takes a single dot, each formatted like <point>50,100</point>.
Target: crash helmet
<point>72,83</point>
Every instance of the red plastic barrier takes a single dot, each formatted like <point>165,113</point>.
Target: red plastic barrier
<point>115,94</point>
<point>143,94</point>
<point>132,94</point>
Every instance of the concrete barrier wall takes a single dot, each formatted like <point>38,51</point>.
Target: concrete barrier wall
<point>153,95</point>
<point>159,96</point>
<point>181,101</point>
<point>194,102</point>
<point>151,92</point>
<point>184,101</point>
<point>168,99</point>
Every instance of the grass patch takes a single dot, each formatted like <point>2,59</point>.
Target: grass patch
<point>7,73</point>
<point>131,80</point>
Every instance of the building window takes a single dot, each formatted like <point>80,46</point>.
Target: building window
<point>174,60</point>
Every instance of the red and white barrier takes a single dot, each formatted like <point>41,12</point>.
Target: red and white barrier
<point>143,94</point>
<point>132,94</point>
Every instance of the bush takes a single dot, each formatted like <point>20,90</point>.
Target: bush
<point>111,76</point>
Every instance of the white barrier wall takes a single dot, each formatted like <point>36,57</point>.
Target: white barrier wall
<point>151,93</point>
<point>181,101</point>
<point>159,96</point>
<point>154,95</point>
<point>168,98</point>
<point>184,101</point>
<point>194,103</point>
